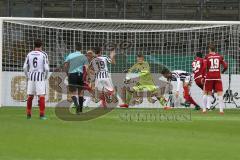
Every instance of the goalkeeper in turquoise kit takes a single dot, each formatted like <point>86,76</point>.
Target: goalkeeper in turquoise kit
<point>143,78</point>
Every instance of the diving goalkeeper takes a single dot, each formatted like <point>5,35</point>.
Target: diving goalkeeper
<point>143,78</point>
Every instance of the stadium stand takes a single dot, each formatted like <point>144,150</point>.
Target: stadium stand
<point>129,9</point>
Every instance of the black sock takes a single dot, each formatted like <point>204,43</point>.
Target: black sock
<point>75,101</point>
<point>80,100</point>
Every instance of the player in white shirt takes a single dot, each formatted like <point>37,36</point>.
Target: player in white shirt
<point>103,81</point>
<point>182,78</point>
<point>36,69</point>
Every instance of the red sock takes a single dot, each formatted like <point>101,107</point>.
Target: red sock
<point>42,105</point>
<point>29,105</point>
<point>187,96</point>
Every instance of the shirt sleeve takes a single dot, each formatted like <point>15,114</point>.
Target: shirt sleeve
<point>25,66</point>
<point>147,66</point>
<point>225,65</point>
<point>46,65</point>
<point>204,68</point>
<point>133,68</point>
<point>108,59</point>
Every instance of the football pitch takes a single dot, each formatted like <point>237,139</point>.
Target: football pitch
<point>205,137</point>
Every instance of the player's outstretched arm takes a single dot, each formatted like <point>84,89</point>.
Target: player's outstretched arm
<point>134,67</point>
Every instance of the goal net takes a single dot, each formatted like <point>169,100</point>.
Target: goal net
<point>170,44</point>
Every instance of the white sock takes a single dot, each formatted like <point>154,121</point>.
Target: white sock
<point>221,103</point>
<point>204,101</point>
<point>209,101</point>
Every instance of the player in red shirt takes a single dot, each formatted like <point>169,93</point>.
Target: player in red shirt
<point>199,69</point>
<point>199,73</point>
<point>213,77</point>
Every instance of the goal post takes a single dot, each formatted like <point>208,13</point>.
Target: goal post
<point>1,51</point>
<point>164,43</point>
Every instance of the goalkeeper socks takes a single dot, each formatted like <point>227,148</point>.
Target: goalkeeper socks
<point>29,105</point>
<point>221,103</point>
<point>75,101</point>
<point>42,106</point>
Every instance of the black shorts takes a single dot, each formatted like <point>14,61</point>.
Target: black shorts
<point>75,81</point>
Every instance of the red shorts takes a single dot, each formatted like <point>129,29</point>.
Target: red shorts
<point>215,85</point>
<point>199,83</point>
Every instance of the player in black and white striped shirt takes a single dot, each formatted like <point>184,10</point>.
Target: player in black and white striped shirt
<point>103,81</point>
<point>36,69</point>
<point>181,77</point>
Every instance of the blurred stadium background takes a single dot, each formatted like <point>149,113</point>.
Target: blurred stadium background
<point>176,51</point>
<point>124,9</point>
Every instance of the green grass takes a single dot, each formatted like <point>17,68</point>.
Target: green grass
<point>206,137</point>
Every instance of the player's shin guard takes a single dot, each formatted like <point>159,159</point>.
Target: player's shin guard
<point>29,105</point>
<point>221,103</point>
<point>42,106</point>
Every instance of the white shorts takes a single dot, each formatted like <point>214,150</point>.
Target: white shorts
<point>104,84</point>
<point>36,88</point>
